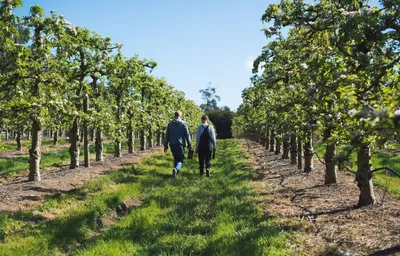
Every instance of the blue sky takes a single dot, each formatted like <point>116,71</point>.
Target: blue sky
<point>194,42</point>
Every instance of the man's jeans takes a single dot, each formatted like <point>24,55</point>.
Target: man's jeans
<point>178,151</point>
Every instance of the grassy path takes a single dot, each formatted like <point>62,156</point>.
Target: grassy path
<point>190,215</point>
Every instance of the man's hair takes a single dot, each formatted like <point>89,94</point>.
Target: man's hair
<point>204,117</point>
<point>178,114</point>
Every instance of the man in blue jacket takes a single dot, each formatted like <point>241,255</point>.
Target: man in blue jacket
<point>176,137</point>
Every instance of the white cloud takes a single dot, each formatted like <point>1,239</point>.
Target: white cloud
<point>248,64</point>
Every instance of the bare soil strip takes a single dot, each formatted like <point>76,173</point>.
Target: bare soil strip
<point>332,222</point>
<point>20,194</point>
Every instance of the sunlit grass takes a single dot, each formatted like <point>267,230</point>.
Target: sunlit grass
<point>189,215</point>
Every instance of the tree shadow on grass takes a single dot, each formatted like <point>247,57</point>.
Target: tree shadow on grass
<point>195,215</point>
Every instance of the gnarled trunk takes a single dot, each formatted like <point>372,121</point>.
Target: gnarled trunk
<point>272,142</point>
<point>99,145</point>
<point>18,140</point>
<point>308,154</point>
<point>278,146</point>
<point>293,149</point>
<point>34,152</point>
<point>142,140</point>
<point>74,149</point>
<point>364,176</point>
<point>267,140</point>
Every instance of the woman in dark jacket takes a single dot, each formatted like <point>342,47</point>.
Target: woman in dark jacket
<point>205,144</point>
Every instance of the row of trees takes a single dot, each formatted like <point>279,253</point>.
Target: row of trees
<point>54,75</point>
<point>334,74</point>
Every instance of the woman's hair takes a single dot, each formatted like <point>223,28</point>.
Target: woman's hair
<point>204,117</point>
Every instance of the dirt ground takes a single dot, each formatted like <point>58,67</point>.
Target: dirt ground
<point>326,213</point>
<point>21,194</point>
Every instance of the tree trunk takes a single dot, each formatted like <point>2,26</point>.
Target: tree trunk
<point>308,154</point>
<point>34,152</point>
<point>285,154</point>
<point>28,135</point>
<point>364,176</point>
<point>55,138</point>
<point>131,139</point>
<point>142,140</point>
<point>92,134</point>
<point>150,141</point>
<point>299,154</point>
<point>75,145</point>
<point>293,149</point>
<point>330,164</point>
<point>6,135</point>
<point>272,142</point>
<point>159,138</point>
<point>51,133</point>
<point>86,133</point>
<point>99,145</point>
<point>81,135</point>
<point>18,140</point>
<point>267,140</point>
<point>117,148</point>
<point>278,146</point>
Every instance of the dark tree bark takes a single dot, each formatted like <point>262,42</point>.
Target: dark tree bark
<point>34,152</point>
<point>74,149</point>
<point>308,154</point>
<point>286,148</point>
<point>55,138</point>
<point>267,140</point>
<point>159,138</point>
<point>81,135</point>
<point>293,149</point>
<point>18,140</point>
<point>272,142</point>
<point>92,134</point>
<point>6,135</point>
<point>330,164</point>
<point>278,146</point>
<point>364,176</point>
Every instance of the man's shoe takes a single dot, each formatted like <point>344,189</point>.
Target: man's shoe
<point>208,173</point>
<point>174,173</point>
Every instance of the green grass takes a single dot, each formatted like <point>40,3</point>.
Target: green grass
<point>190,215</point>
<point>12,145</point>
<point>378,159</point>
<point>12,168</point>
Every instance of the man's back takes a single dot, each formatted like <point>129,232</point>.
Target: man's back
<point>177,132</point>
